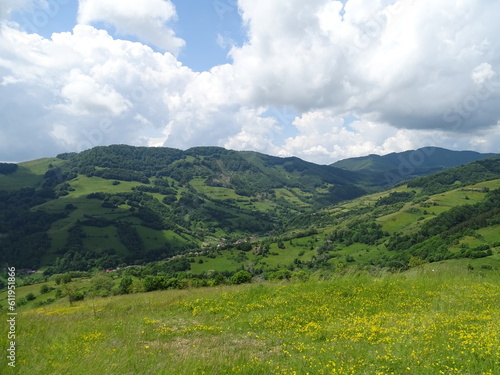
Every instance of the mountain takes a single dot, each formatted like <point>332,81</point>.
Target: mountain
<point>123,204</point>
<point>120,205</point>
<point>451,216</point>
<point>401,166</point>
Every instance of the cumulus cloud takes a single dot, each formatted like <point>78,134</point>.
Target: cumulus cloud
<point>85,96</point>
<point>399,62</point>
<point>145,19</point>
<point>361,76</point>
<point>83,89</point>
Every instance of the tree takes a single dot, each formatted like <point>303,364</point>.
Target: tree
<point>125,285</point>
<point>72,293</point>
<point>102,284</point>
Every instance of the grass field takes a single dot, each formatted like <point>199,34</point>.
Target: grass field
<point>291,196</point>
<point>28,174</point>
<point>423,322</point>
<point>218,193</point>
<point>84,185</point>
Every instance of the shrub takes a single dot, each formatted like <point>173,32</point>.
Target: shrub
<point>44,289</point>
<point>77,296</point>
<point>125,285</point>
<point>280,275</point>
<point>300,275</point>
<point>241,277</point>
<point>65,278</point>
<point>102,285</point>
<point>152,283</point>
<point>217,280</point>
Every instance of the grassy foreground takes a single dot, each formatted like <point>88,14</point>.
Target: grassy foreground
<point>419,323</point>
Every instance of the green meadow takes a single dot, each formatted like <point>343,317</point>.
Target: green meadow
<point>434,319</point>
<point>28,174</point>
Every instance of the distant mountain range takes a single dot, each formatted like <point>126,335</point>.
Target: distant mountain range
<point>409,164</point>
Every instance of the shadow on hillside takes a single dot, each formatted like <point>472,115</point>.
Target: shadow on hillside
<point>21,178</point>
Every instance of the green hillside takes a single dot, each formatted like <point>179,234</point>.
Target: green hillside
<point>115,206</point>
<point>125,205</point>
<point>25,175</point>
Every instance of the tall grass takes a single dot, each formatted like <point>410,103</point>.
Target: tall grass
<point>420,323</point>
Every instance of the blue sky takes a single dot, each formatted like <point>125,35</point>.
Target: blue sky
<point>322,80</point>
<point>212,18</point>
<point>200,22</point>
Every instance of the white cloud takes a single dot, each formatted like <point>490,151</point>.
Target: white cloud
<point>483,74</point>
<point>82,89</point>
<point>145,19</point>
<point>85,96</point>
<point>412,73</point>
<point>399,62</point>
<point>257,132</point>
<point>9,6</point>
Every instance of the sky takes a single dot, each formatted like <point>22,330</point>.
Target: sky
<point>321,80</point>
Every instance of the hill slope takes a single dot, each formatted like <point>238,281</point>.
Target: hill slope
<point>397,229</point>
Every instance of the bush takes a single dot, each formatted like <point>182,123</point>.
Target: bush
<point>218,279</point>
<point>152,283</point>
<point>241,277</point>
<point>300,275</point>
<point>280,275</point>
<point>102,285</point>
<point>65,278</point>
<point>43,303</point>
<point>8,168</point>
<point>196,283</point>
<point>30,297</point>
<point>125,285</point>
<point>77,296</point>
<point>44,289</point>
<point>173,283</point>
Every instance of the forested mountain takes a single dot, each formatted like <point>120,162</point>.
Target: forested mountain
<point>122,205</point>
<point>245,172</point>
<point>148,203</point>
<point>406,165</point>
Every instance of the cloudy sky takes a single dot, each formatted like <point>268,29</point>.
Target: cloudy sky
<point>320,79</point>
